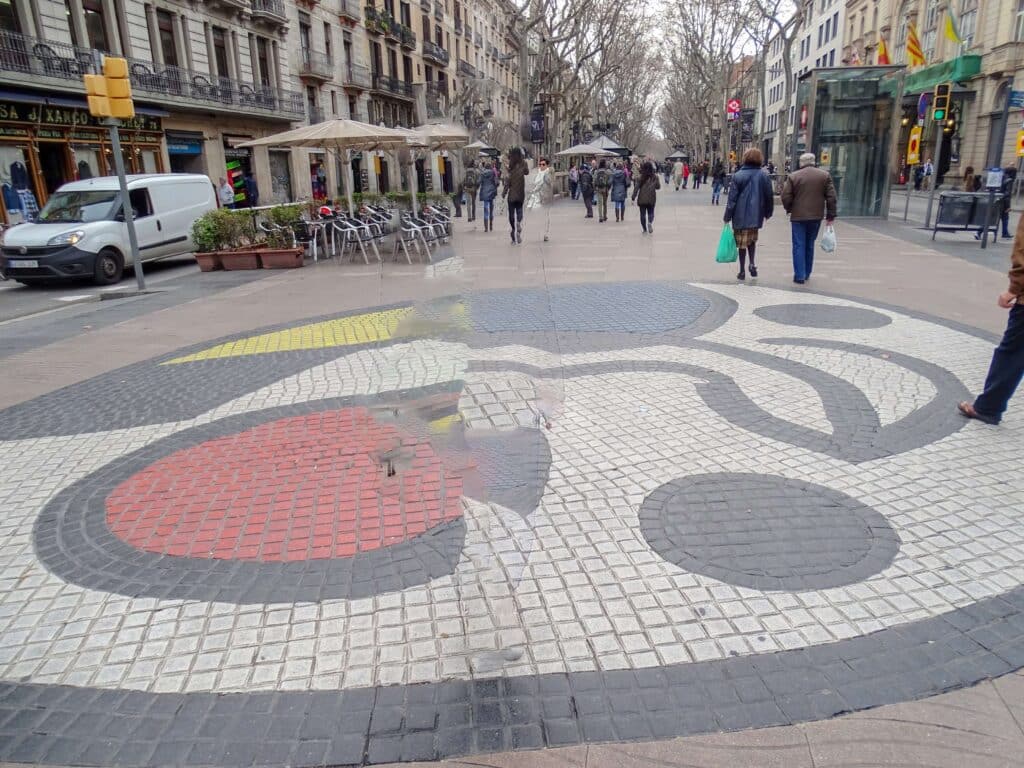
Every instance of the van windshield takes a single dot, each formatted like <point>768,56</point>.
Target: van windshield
<point>75,206</point>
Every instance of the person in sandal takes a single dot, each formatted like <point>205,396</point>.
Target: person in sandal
<point>1007,367</point>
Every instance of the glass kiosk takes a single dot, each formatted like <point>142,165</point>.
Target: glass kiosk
<point>846,117</point>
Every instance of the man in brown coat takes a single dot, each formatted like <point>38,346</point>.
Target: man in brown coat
<point>808,196</point>
<point>1007,367</point>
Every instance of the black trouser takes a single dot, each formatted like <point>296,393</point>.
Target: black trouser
<point>471,203</point>
<point>515,214</point>
<point>588,200</point>
<point>646,216</point>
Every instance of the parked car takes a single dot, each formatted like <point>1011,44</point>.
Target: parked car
<point>80,232</point>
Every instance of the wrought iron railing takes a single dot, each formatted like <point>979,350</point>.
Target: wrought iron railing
<point>438,11</point>
<point>408,37</point>
<point>274,8</point>
<point>315,115</point>
<point>316,64</point>
<point>435,52</point>
<point>349,9</point>
<point>392,85</point>
<point>21,53</point>
<point>466,69</point>
<point>372,20</point>
<point>357,75</point>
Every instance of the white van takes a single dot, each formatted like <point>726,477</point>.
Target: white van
<point>80,232</point>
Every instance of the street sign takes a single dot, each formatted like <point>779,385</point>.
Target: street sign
<point>1016,99</point>
<point>732,109</point>
<point>993,178</point>
<point>1020,143</point>
<point>914,146</point>
<point>922,105</point>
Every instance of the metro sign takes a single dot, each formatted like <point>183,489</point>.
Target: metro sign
<point>733,107</point>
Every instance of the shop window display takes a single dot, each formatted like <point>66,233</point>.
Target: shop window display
<point>15,183</point>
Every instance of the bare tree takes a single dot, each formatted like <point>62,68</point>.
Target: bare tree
<point>782,19</point>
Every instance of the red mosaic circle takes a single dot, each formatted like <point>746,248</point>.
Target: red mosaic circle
<point>301,488</point>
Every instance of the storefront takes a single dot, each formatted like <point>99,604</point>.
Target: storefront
<point>43,146</point>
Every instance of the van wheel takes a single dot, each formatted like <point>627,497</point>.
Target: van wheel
<point>109,267</point>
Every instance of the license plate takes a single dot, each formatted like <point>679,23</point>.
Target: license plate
<point>22,263</point>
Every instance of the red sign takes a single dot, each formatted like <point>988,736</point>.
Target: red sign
<point>803,117</point>
<point>734,106</point>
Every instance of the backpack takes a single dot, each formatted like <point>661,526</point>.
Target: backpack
<point>472,178</point>
<point>602,179</point>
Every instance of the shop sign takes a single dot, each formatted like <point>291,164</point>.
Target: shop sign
<point>184,148</point>
<point>6,130</point>
<point>236,152</point>
<point>68,116</point>
<point>914,146</point>
<point>1016,99</point>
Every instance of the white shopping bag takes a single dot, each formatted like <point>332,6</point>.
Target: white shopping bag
<point>828,240</point>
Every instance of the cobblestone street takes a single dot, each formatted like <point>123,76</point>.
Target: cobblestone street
<point>590,501</point>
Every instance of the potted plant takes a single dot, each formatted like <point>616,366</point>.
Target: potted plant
<point>224,239</point>
<point>280,251</point>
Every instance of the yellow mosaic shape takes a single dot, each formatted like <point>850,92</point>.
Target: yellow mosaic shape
<point>346,331</point>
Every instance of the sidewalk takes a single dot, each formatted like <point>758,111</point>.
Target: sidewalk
<point>567,503</point>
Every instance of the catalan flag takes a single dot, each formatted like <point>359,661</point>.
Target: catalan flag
<point>915,56</point>
<point>883,52</point>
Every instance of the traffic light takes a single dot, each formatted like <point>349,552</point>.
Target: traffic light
<point>110,94</point>
<point>940,104</point>
<point>96,93</point>
<point>119,87</point>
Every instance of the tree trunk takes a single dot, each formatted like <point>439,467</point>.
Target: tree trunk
<point>787,67</point>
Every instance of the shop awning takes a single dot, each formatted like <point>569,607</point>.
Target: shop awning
<point>955,70</point>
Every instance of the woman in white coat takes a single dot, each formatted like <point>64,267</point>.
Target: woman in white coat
<point>542,193</point>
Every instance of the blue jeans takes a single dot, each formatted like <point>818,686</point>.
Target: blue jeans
<point>716,190</point>
<point>488,210</point>
<point>1006,369</point>
<point>620,205</point>
<point>804,235</point>
<point>574,189</point>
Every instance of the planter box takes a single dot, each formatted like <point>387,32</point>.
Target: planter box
<point>208,262</point>
<point>282,258</point>
<point>240,259</point>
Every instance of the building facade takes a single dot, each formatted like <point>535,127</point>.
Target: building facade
<point>209,76</point>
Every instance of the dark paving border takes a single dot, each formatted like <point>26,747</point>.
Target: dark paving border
<point>64,725</point>
<point>766,532</point>
<point>86,726</point>
<point>823,316</point>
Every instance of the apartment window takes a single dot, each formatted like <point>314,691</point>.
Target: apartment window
<point>375,58</point>
<point>263,61</point>
<point>334,103</point>
<point>407,66</point>
<point>832,58</point>
<point>165,32</point>
<point>900,51</point>
<point>835,22</point>
<point>392,63</point>
<point>389,6</point>
<point>1019,26</point>
<point>426,29</point>
<point>406,16</point>
<point>305,32</point>
<point>220,52</point>
<point>95,25</point>
<point>353,111</point>
<point>8,17</point>
<point>968,21</point>
<point>328,48</point>
<point>820,30</point>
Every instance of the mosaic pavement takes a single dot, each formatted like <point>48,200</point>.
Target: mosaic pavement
<point>505,520</point>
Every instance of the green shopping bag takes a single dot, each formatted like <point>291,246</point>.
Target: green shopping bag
<point>727,250</point>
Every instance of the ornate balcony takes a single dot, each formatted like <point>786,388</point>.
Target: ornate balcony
<point>392,85</point>
<point>372,20</point>
<point>348,11</point>
<point>356,77</point>
<point>478,40</point>
<point>435,53</point>
<point>458,27</point>
<point>316,65</point>
<point>32,61</point>
<point>466,69</point>
<point>315,115</point>
<point>408,37</point>
<point>438,11</point>
<point>269,10</point>
<point>425,6</point>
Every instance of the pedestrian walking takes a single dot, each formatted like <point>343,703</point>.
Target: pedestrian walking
<point>619,185</point>
<point>686,174</point>
<point>602,183</point>
<point>717,182</point>
<point>488,191</point>
<point>225,194</point>
<point>928,169</point>
<point>542,193</point>
<point>808,196</point>
<point>707,168</point>
<point>1007,366</point>
<point>697,175</point>
<point>470,184</point>
<point>574,181</point>
<point>666,169</point>
<point>751,202</point>
<point>677,173</point>
<point>970,182</point>
<point>645,193</point>
<point>587,189</point>
<point>252,192</point>
<point>515,192</point>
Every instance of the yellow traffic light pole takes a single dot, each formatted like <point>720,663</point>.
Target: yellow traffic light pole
<point>110,98</point>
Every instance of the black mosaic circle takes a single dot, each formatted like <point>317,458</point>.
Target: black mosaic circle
<point>823,316</point>
<point>765,532</point>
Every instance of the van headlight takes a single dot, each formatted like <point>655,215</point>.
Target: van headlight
<point>67,238</point>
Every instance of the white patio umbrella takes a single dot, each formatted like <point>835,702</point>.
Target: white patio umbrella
<point>341,135</point>
<point>584,150</point>
<point>443,135</point>
<point>479,146</point>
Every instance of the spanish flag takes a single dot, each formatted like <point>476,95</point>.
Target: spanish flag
<point>952,28</point>
<point>883,52</point>
<point>915,56</point>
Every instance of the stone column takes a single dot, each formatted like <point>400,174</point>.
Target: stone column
<point>154,35</point>
<point>80,33</point>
